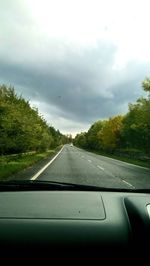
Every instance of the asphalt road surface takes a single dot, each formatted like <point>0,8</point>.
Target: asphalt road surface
<point>74,165</point>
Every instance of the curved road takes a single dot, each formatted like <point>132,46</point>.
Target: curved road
<point>74,165</point>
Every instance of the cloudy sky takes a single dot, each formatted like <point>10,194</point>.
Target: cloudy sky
<point>76,60</point>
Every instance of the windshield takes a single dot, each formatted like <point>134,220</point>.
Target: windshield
<point>75,92</point>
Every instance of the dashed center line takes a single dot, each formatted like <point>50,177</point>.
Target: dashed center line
<point>100,167</point>
<point>89,161</point>
<point>128,183</point>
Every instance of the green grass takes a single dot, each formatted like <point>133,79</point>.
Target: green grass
<point>124,159</point>
<point>12,164</point>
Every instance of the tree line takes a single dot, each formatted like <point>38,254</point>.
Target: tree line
<point>121,133</point>
<point>22,128</point>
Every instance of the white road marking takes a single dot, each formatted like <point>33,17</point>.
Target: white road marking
<point>128,183</point>
<point>89,161</point>
<point>43,169</point>
<point>100,167</point>
<point>82,156</point>
<point>131,164</point>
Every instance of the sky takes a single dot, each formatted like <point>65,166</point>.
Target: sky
<point>77,61</point>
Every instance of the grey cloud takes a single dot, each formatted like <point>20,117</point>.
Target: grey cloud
<point>72,85</point>
<point>75,85</point>
<point>81,91</point>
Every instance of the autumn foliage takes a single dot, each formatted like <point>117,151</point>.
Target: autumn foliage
<point>128,132</point>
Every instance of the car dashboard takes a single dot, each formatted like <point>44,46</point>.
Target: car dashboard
<point>101,222</point>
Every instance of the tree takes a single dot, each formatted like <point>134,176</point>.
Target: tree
<point>146,84</point>
<point>80,140</point>
<point>22,129</point>
<point>93,141</point>
<point>56,137</point>
<point>110,134</point>
<point>136,125</point>
<point>129,131</point>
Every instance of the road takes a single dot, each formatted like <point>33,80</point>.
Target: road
<point>74,165</point>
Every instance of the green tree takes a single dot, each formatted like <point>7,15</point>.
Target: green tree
<point>22,129</point>
<point>92,136</point>
<point>146,84</point>
<point>111,132</point>
<point>80,140</point>
<point>136,125</point>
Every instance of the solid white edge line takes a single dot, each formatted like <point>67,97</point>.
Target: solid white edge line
<point>43,169</point>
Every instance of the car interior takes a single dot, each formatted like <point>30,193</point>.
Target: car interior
<point>75,132</point>
<point>44,221</point>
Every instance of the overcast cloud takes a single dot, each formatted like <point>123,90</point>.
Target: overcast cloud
<point>77,61</point>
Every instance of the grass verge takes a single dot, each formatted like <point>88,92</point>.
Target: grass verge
<point>124,159</point>
<point>10,165</point>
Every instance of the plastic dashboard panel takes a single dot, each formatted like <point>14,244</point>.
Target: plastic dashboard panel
<point>104,220</point>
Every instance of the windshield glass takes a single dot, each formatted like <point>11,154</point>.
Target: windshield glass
<point>75,92</point>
